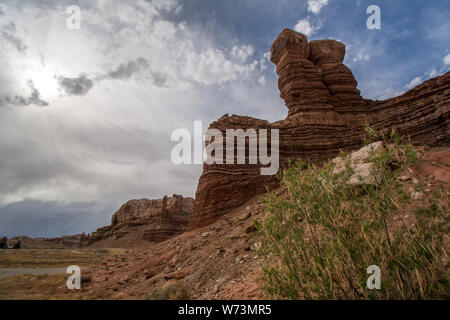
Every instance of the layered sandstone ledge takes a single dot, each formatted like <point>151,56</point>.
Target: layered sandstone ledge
<point>151,220</point>
<point>326,115</point>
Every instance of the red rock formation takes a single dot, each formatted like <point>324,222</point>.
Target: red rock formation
<point>153,220</point>
<point>73,241</point>
<point>326,115</point>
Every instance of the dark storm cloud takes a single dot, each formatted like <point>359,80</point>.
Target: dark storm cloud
<point>9,34</point>
<point>141,65</point>
<point>79,86</point>
<point>126,70</point>
<point>51,219</point>
<point>33,99</point>
<point>72,158</point>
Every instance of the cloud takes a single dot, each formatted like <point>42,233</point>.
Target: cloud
<point>130,76</point>
<point>51,219</point>
<point>78,86</point>
<point>447,59</point>
<point>33,99</point>
<point>261,80</point>
<point>361,57</point>
<point>211,66</point>
<point>306,27</point>
<point>9,34</point>
<point>126,70</point>
<point>414,82</point>
<point>431,73</point>
<point>81,85</point>
<point>315,6</point>
<point>242,53</point>
<point>135,67</point>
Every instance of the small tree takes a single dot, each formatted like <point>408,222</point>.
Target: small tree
<point>4,243</point>
<point>17,245</point>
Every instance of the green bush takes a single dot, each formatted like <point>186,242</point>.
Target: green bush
<point>319,240</point>
<point>175,291</point>
<point>17,245</point>
<point>4,243</point>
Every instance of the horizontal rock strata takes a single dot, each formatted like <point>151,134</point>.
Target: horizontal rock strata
<point>326,115</point>
<point>154,220</point>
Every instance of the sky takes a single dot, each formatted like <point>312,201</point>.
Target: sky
<point>86,114</point>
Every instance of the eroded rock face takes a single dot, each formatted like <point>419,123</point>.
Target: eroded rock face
<point>154,220</point>
<point>326,114</point>
<point>73,241</point>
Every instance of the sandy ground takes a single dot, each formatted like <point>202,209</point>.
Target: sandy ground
<point>9,272</point>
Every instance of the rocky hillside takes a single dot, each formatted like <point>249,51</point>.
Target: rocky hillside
<point>220,261</point>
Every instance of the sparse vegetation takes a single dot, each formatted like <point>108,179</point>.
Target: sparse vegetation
<point>47,258</point>
<point>52,286</point>
<point>41,287</point>
<point>4,243</point>
<point>17,245</point>
<point>319,241</point>
<point>175,291</point>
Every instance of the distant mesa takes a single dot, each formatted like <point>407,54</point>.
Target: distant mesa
<point>144,220</point>
<point>137,222</point>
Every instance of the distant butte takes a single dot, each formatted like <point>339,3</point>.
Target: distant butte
<point>139,221</point>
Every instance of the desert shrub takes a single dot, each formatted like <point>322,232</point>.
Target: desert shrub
<point>17,245</point>
<point>175,291</point>
<point>319,240</point>
<point>86,279</point>
<point>4,243</point>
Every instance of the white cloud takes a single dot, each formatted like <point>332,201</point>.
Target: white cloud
<point>315,6</point>
<point>447,59</point>
<point>306,27</point>
<point>431,73</point>
<point>414,82</point>
<point>242,53</point>
<point>211,66</point>
<point>261,81</point>
<point>263,61</point>
<point>361,57</point>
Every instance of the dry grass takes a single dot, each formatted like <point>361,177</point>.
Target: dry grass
<point>45,287</point>
<point>41,287</point>
<point>173,291</point>
<point>319,241</point>
<point>48,258</point>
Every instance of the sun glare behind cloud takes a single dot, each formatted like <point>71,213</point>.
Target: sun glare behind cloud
<point>45,82</point>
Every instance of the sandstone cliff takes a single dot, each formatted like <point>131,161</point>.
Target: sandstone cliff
<point>326,115</point>
<point>144,219</point>
<point>73,241</point>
